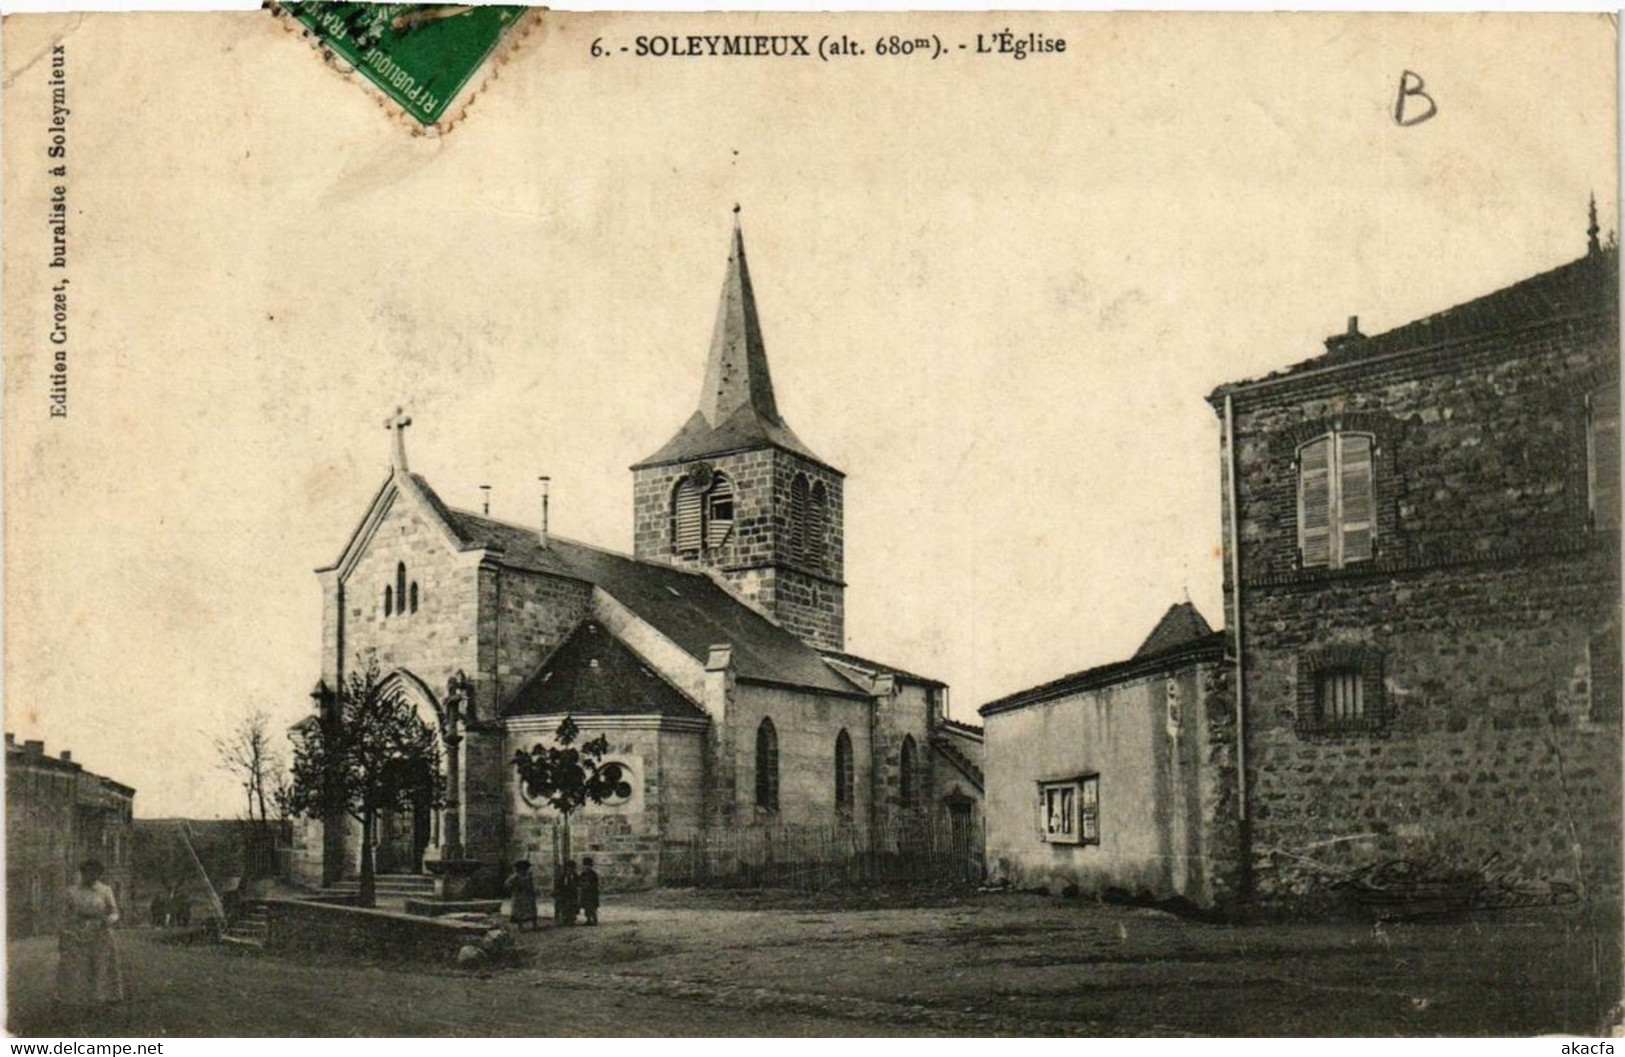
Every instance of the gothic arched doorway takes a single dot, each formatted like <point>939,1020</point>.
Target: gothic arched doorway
<point>403,837</point>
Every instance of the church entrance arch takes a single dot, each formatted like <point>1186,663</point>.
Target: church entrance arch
<point>402,837</point>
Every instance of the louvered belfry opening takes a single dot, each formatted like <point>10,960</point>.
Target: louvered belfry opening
<point>687,518</point>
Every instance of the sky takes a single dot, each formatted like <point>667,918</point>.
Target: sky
<point>994,293</point>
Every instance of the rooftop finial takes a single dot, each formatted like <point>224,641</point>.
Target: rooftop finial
<point>1592,245</point>
<point>398,423</point>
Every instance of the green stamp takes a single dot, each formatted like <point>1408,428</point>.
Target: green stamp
<point>420,55</point>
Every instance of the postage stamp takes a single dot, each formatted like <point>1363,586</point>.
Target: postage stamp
<point>419,55</point>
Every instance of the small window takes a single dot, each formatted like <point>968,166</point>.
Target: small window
<point>1341,697</point>
<point>719,512</point>
<point>1069,810</point>
<point>1336,501</point>
<point>844,779</point>
<point>413,597</point>
<point>400,587</point>
<point>1340,690</point>
<point>767,766</point>
<point>905,772</point>
<point>389,601</point>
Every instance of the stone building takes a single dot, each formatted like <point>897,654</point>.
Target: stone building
<point>57,816</point>
<point>1422,593</point>
<point>1423,582</point>
<point>1110,779</point>
<point>711,658</point>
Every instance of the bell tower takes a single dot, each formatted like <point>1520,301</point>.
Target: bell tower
<point>737,491</point>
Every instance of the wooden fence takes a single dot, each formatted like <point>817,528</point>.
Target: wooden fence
<point>807,858</point>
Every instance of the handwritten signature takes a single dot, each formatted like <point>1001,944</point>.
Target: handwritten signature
<point>1401,889</point>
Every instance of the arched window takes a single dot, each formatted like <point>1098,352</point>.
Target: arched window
<point>719,511</point>
<point>686,518</point>
<point>1336,502</point>
<point>400,587</point>
<point>844,780</point>
<point>798,516</point>
<point>389,600</point>
<point>817,518</point>
<point>413,597</point>
<point>767,766</point>
<point>906,772</point>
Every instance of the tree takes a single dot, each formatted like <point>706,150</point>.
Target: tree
<point>249,755</point>
<point>367,752</point>
<point>565,778</point>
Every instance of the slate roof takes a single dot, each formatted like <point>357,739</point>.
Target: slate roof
<point>1175,641</point>
<point>1181,624</point>
<point>872,668</point>
<point>738,411</point>
<point>1586,286</point>
<point>594,673</point>
<point>689,608</point>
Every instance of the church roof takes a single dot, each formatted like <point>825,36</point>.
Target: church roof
<point>738,411</point>
<point>1582,287</point>
<point>688,608</point>
<point>594,673</point>
<point>873,668</point>
<point>1180,625</point>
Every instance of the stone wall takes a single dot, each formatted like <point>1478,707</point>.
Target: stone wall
<point>807,725</point>
<point>1486,625</point>
<point>805,593</point>
<point>627,839</point>
<point>324,927</point>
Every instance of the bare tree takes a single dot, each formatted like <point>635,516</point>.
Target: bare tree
<point>248,754</point>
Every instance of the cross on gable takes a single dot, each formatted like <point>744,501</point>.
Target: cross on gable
<point>397,424</point>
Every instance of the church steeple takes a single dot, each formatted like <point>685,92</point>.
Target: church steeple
<point>736,492</point>
<point>738,411</point>
<point>736,373</point>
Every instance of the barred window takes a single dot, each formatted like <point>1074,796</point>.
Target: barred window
<point>1341,694</point>
<point>1336,500</point>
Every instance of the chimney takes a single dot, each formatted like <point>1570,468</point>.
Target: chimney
<point>485,495</point>
<point>67,757</point>
<point>34,748</point>
<point>546,481</point>
<point>1347,339</point>
<point>11,740</point>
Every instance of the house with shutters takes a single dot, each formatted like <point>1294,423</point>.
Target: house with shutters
<point>1421,655</point>
<point>712,658</point>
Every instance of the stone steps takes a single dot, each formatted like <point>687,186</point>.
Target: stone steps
<point>250,928</point>
<point>405,884</point>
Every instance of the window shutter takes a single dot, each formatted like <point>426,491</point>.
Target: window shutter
<point>1605,457</point>
<point>1314,502</point>
<point>798,517</point>
<point>720,519</point>
<point>686,518</point>
<point>1356,503</point>
<point>815,522</point>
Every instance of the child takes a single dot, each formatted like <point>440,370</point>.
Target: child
<point>587,886</point>
<point>564,894</point>
<point>522,896</point>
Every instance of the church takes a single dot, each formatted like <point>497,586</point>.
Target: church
<point>712,658</point>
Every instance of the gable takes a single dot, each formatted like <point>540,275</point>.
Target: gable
<point>403,499</point>
<point>594,673</point>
